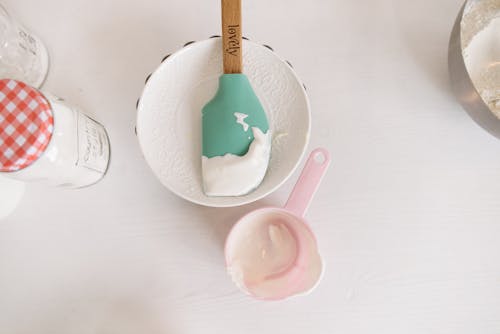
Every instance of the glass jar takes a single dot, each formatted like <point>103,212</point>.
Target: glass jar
<point>11,193</point>
<point>22,55</point>
<point>42,139</point>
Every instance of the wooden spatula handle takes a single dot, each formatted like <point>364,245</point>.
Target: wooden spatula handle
<point>231,36</point>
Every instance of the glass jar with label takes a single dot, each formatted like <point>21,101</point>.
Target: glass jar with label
<point>22,55</point>
<point>44,139</point>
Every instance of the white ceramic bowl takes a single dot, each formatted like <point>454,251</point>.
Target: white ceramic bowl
<point>169,117</point>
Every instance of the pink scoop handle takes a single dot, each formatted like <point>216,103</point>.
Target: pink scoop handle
<point>308,182</point>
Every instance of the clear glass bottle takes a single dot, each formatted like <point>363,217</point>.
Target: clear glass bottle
<point>11,193</point>
<point>23,56</point>
<point>43,139</point>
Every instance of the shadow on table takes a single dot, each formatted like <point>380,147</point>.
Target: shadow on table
<point>125,50</point>
<point>98,316</point>
<point>425,28</point>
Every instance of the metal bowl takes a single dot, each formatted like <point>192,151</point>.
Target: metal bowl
<point>461,82</point>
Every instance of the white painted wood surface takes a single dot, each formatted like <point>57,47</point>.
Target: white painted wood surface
<point>408,218</point>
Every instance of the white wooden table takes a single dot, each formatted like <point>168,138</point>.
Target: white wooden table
<point>408,217</point>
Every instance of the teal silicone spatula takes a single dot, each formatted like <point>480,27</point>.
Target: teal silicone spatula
<point>231,120</point>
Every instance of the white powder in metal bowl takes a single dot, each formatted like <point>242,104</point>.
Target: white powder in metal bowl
<point>481,49</point>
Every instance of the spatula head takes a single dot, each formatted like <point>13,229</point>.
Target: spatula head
<point>228,119</point>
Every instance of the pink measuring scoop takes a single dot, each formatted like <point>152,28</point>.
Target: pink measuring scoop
<point>304,270</point>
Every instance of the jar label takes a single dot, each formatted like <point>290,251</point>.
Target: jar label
<point>93,144</point>
<point>27,42</point>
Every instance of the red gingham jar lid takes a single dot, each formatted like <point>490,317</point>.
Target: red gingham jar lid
<point>26,125</point>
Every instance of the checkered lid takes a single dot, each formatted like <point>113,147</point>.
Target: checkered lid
<point>26,125</point>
